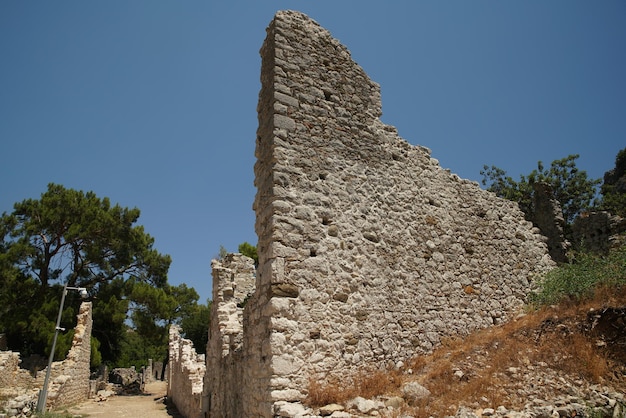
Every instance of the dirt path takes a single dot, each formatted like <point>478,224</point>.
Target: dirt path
<point>149,405</point>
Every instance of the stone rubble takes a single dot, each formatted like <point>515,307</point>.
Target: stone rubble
<point>593,401</point>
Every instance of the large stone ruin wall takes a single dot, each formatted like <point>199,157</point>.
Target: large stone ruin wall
<point>369,251</point>
<point>186,373</point>
<point>69,379</point>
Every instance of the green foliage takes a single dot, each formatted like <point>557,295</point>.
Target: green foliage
<point>80,239</point>
<point>504,186</point>
<point>135,352</point>
<point>614,187</point>
<point>74,238</point>
<point>153,311</point>
<point>223,253</point>
<point>249,250</point>
<point>95,359</point>
<point>579,279</point>
<point>570,186</point>
<point>110,308</point>
<point>195,326</point>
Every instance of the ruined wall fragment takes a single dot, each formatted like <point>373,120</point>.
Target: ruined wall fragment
<point>598,232</point>
<point>185,375</point>
<point>548,216</point>
<point>69,379</point>
<point>369,251</point>
<point>233,284</point>
<point>71,386</point>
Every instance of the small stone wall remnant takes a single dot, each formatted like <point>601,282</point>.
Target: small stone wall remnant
<point>548,216</point>
<point>369,251</point>
<point>233,284</point>
<point>69,379</point>
<point>186,375</point>
<point>598,232</point>
<point>12,377</point>
<point>71,386</point>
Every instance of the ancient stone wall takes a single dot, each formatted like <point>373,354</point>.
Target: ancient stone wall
<point>69,379</point>
<point>233,284</point>
<point>11,375</point>
<point>185,375</point>
<point>598,232</point>
<point>369,251</point>
<point>548,216</point>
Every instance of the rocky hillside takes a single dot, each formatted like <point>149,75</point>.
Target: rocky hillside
<point>562,361</point>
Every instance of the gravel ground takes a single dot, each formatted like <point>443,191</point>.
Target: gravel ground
<point>151,404</point>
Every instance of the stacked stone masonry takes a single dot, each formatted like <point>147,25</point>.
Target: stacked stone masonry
<point>598,232</point>
<point>369,251</point>
<point>233,284</point>
<point>69,379</point>
<point>74,371</point>
<point>185,375</point>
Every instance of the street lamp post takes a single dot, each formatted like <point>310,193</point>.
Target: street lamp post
<point>43,394</point>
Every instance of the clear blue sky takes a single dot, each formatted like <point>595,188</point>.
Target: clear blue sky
<point>153,103</point>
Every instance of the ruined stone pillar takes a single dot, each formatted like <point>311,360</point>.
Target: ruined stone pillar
<point>548,216</point>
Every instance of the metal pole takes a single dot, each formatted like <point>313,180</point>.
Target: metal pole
<point>43,394</point>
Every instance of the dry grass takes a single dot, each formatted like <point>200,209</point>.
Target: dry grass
<point>484,365</point>
<point>365,384</point>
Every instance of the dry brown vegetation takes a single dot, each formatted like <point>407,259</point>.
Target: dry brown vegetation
<point>500,365</point>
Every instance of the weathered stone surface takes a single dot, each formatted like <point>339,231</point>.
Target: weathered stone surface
<point>187,370</point>
<point>123,376</point>
<point>330,409</point>
<point>413,391</point>
<point>548,216</point>
<point>233,286</point>
<point>369,251</point>
<point>598,232</point>
<point>365,406</point>
<point>287,409</point>
<point>284,290</point>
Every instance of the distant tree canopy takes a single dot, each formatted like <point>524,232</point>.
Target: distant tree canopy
<point>69,237</point>
<point>614,187</point>
<point>249,250</point>
<point>195,326</point>
<point>77,238</point>
<point>570,186</point>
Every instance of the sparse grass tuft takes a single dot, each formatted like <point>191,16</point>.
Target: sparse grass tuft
<point>51,414</point>
<point>579,280</point>
<point>365,384</point>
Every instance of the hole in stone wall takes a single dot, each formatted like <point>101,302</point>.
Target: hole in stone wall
<point>313,252</point>
<point>327,95</point>
<point>434,202</point>
<point>325,220</point>
<point>323,176</point>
